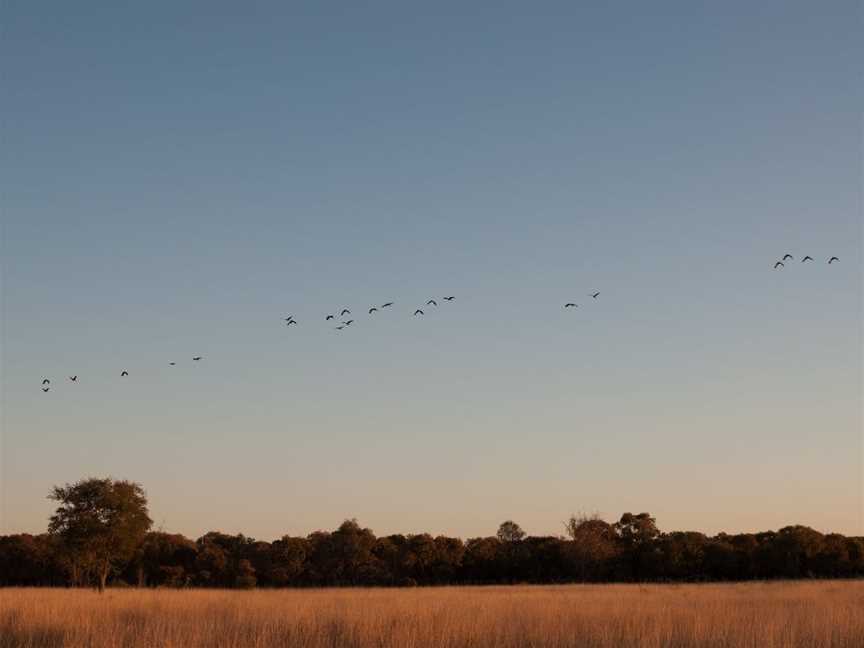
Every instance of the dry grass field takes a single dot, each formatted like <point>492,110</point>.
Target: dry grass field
<point>758,615</point>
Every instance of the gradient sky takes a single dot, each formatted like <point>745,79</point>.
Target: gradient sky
<point>178,176</point>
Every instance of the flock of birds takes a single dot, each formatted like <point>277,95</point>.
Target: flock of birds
<point>788,257</point>
<point>290,321</point>
<point>343,324</point>
<point>46,382</point>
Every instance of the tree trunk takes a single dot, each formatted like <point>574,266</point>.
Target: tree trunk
<point>102,577</point>
<point>75,574</point>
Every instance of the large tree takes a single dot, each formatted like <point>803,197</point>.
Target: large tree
<point>509,531</point>
<point>100,524</point>
<point>164,559</point>
<point>637,535</point>
<point>594,546</point>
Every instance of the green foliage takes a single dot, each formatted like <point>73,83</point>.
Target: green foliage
<point>245,578</point>
<point>509,531</point>
<point>594,549</point>
<point>99,524</point>
<point>101,527</point>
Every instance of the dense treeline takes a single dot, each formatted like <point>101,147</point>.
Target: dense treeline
<point>632,549</point>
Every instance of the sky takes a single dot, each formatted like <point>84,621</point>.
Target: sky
<point>177,177</point>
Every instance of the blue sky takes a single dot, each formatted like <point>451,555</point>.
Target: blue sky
<point>177,177</point>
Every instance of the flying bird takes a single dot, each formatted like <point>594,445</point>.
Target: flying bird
<point>779,264</point>
<point>290,323</point>
<point>451,298</point>
<point>196,358</point>
<point>418,312</point>
<point>432,302</point>
<point>46,382</point>
<point>46,389</point>
<point>595,295</point>
<point>328,318</point>
<point>387,305</point>
<point>348,323</point>
<point>570,305</point>
<point>806,258</point>
<point>73,378</point>
<point>832,260</point>
<point>339,328</point>
<point>786,256</point>
<point>124,373</point>
<point>372,310</point>
<point>345,311</point>
<point>289,318</point>
<point>172,363</point>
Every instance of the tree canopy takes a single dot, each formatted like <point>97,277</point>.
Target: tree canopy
<point>100,532</point>
<point>99,525</point>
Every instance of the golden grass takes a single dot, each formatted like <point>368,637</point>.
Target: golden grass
<point>757,615</point>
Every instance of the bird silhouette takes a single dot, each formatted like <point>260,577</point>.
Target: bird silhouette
<point>451,298</point>
<point>345,311</point>
<point>73,378</point>
<point>387,305</point>
<point>431,302</point>
<point>46,382</point>
<point>348,323</point>
<point>570,305</point>
<point>339,328</point>
<point>779,264</point>
<point>196,358</point>
<point>786,256</point>
<point>832,260</point>
<point>595,295</point>
<point>806,258</point>
<point>290,323</point>
<point>418,312</point>
<point>289,318</point>
<point>328,318</point>
<point>124,373</point>
<point>46,389</point>
<point>372,310</point>
<point>172,363</point>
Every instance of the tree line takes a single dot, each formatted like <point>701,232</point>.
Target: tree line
<point>101,535</point>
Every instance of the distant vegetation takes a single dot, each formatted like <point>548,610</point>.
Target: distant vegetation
<point>101,535</point>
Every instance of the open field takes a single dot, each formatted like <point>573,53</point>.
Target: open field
<point>763,615</point>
